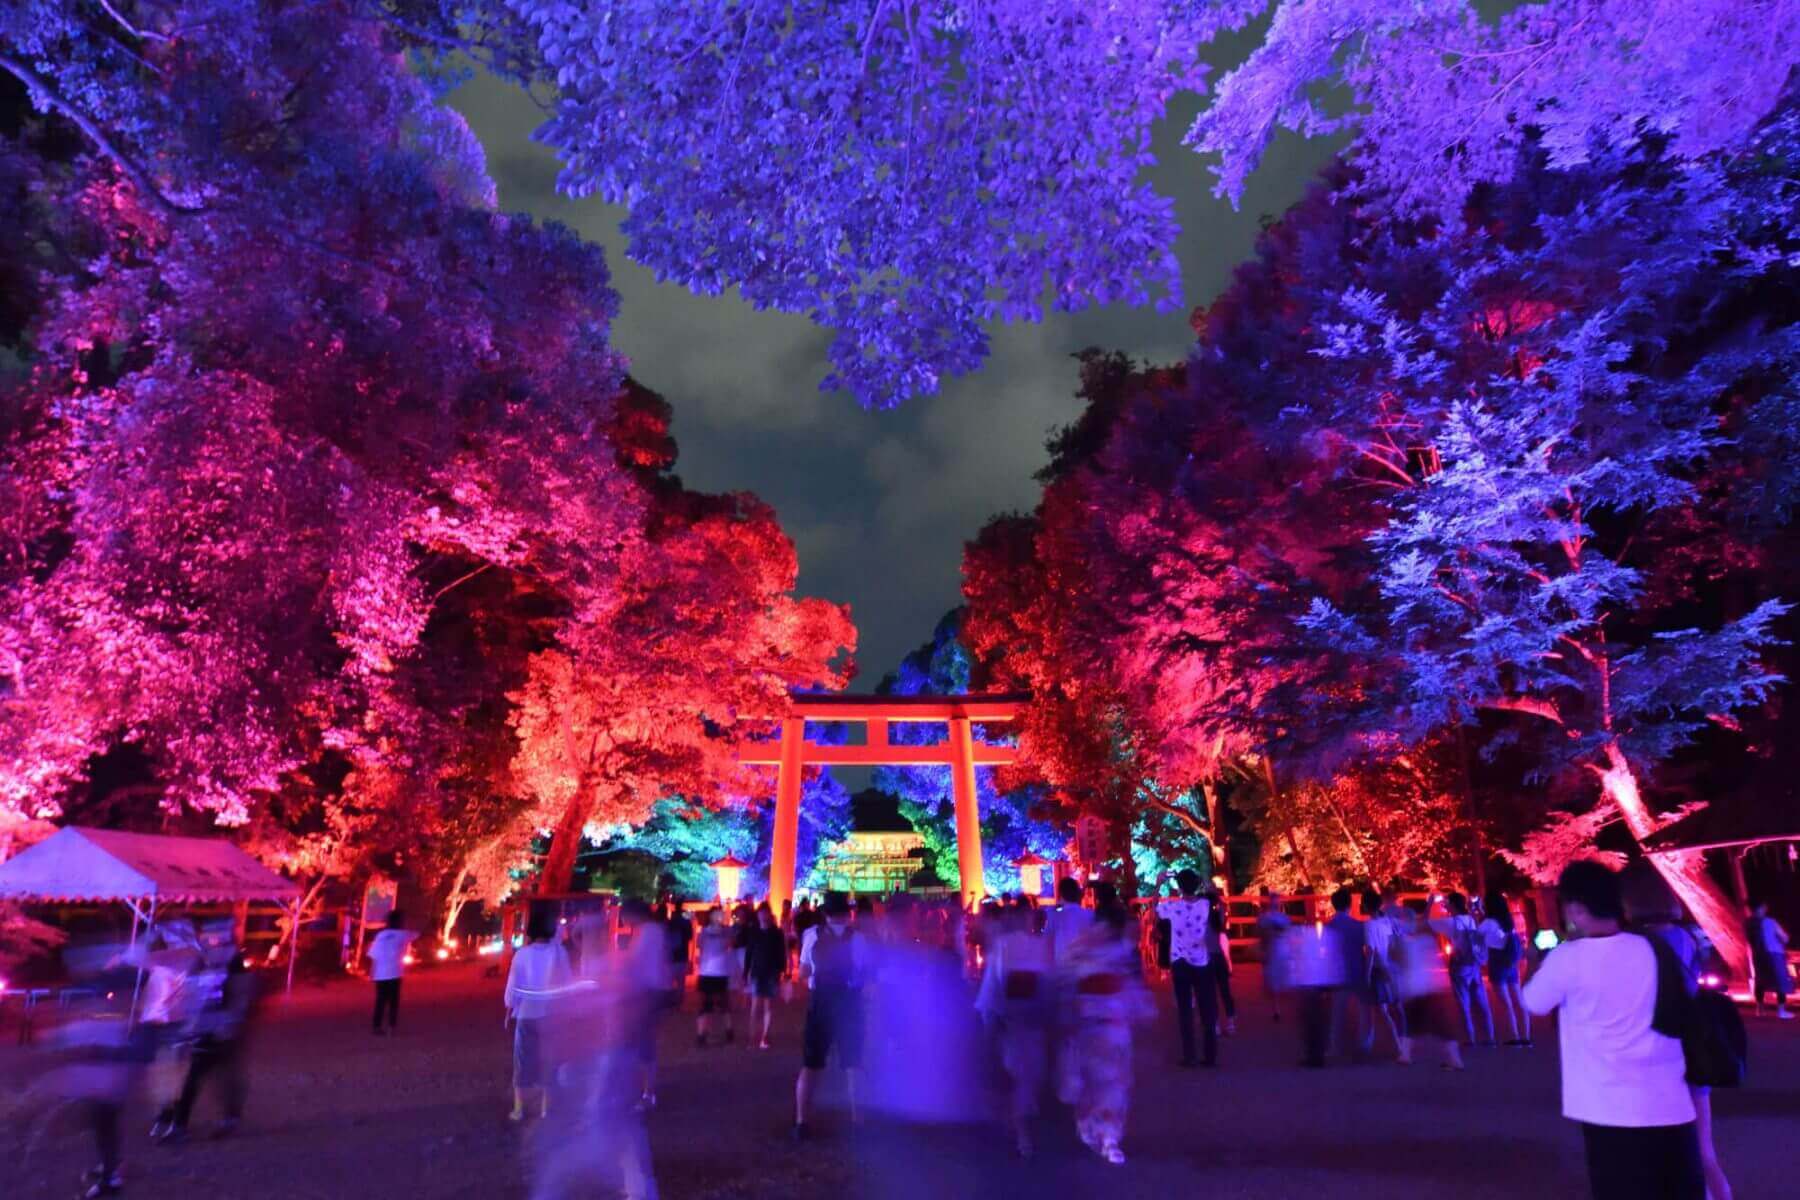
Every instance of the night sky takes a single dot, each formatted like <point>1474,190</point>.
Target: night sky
<point>879,504</point>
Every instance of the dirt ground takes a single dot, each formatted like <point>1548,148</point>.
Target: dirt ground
<point>338,1115</point>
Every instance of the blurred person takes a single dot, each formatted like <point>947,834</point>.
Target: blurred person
<point>1468,958</point>
<point>100,1059</point>
<point>643,979</point>
<point>1423,981</point>
<point>834,962</point>
<point>716,959</point>
<point>1068,920</point>
<point>1768,960</point>
<point>1352,1004</point>
<point>1653,911</point>
<point>1622,1080</point>
<point>765,966</point>
<point>1190,967</point>
<point>219,1035</point>
<point>167,958</point>
<point>593,1031</point>
<point>678,936</point>
<point>1380,933</point>
<point>387,964</point>
<point>1106,979</point>
<point>1018,1002</point>
<point>1506,950</point>
<point>539,969</point>
<point>1272,925</point>
<point>1316,972</point>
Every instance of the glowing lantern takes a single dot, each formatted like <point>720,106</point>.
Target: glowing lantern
<point>730,872</point>
<point>1031,873</point>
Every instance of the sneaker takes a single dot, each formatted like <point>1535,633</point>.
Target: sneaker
<point>1111,1153</point>
<point>174,1135</point>
<point>1786,1014</point>
<point>516,1115</point>
<point>763,1045</point>
<point>110,1185</point>
<point>1231,1027</point>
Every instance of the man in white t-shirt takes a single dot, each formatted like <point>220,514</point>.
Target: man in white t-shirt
<point>1190,954</point>
<point>1623,1081</point>
<point>387,962</point>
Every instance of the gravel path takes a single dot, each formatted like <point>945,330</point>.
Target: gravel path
<point>338,1115</point>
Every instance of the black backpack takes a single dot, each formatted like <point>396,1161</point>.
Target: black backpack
<point>1707,1023</point>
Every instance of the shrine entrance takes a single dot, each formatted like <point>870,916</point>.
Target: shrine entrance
<point>791,754</point>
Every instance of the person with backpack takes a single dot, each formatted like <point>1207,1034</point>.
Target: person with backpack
<point>1623,1081</point>
<point>834,962</point>
<point>1654,912</point>
<point>1468,955</point>
<point>1380,933</point>
<point>1505,949</point>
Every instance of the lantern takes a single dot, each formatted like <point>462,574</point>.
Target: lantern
<point>1031,873</point>
<point>730,873</point>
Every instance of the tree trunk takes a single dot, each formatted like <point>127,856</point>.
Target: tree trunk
<point>558,870</point>
<point>1685,871</point>
<point>1287,827</point>
<point>1477,848</point>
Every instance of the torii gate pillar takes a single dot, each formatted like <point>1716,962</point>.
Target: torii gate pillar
<point>785,850</point>
<point>968,815</point>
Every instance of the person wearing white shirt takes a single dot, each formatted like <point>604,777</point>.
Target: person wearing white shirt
<point>835,964</point>
<point>387,963</point>
<point>540,967</point>
<point>1623,1081</point>
<point>1068,920</point>
<point>1190,957</point>
<point>1380,934</point>
<point>715,945</point>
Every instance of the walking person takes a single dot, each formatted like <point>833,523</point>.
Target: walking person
<point>538,968</point>
<point>219,1033</point>
<point>387,964</point>
<point>835,963</point>
<point>1653,911</point>
<point>1017,1002</point>
<point>1380,933</point>
<point>1219,948</point>
<point>765,966</point>
<point>1768,960</point>
<point>1316,969</point>
<point>1423,982</point>
<point>1352,1022</point>
<point>1468,956</point>
<point>716,956</point>
<point>1107,982</point>
<point>1505,952</point>
<point>1190,963</point>
<point>1622,1081</point>
<point>1272,925</point>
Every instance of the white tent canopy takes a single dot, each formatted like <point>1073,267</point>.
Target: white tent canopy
<point>77,864</point>
<point>144,871</point>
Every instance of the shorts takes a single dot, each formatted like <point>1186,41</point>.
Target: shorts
<point>765,988</point>
<point>1381,990</point>
<point>1432,1015</point>
<point>528,1053</point>
<point>715,994</point>
<point>834,1020</point>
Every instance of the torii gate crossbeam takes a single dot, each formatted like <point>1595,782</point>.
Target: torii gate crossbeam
<point>792,754</point>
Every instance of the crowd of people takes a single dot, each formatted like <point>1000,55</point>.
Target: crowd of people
<point>936,1013</point>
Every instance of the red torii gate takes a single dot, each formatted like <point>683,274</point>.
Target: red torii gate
<point>792,754</point>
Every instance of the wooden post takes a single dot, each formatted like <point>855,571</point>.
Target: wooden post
<point>968,814</point>
<point>784,853</point>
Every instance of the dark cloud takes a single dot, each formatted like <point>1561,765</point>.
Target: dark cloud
<point>878,504</point>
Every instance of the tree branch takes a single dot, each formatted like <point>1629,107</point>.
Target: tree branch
<point>140,178</point>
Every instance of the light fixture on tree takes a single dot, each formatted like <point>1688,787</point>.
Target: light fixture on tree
<point>730,873</point>
<point>1031,873</point>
